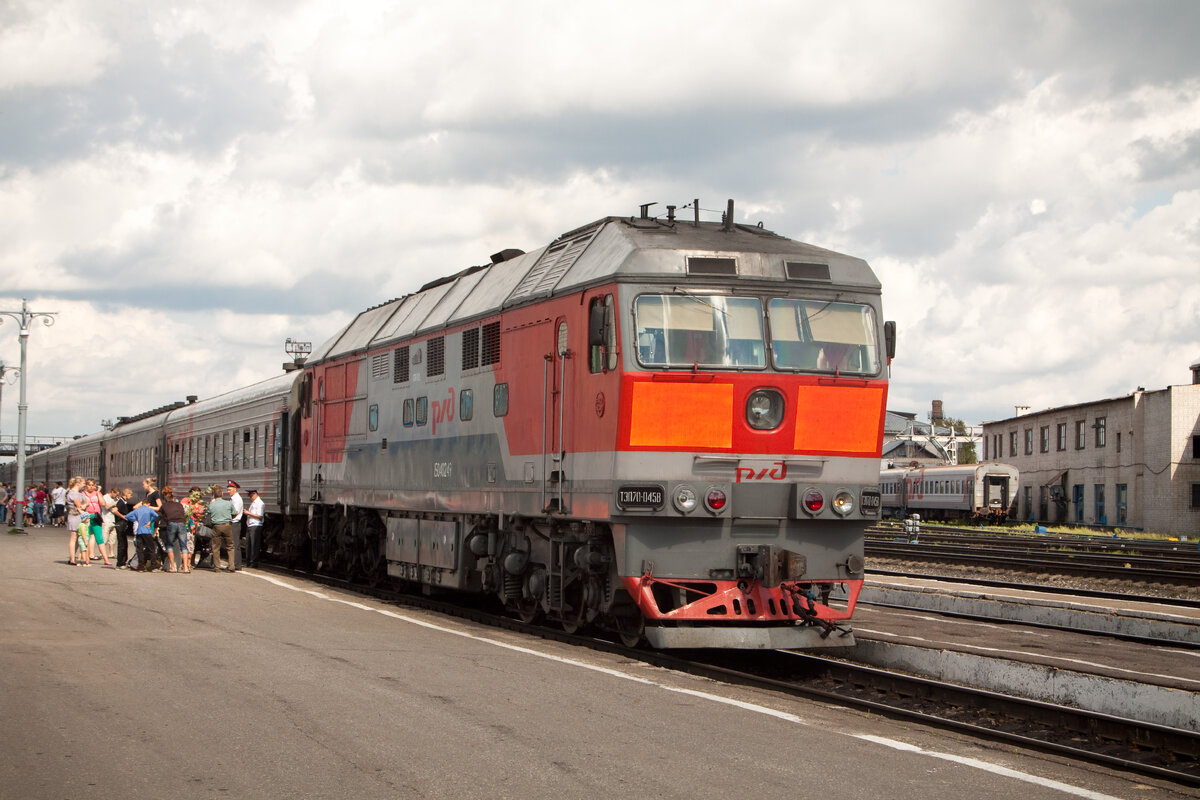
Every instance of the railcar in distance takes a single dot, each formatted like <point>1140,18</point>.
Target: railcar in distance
<point>977,492</point>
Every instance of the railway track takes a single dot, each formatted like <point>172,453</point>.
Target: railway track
<point>1128,745</point>
<point>1026,554</point>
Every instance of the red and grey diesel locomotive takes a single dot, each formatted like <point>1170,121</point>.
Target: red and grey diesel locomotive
<point>666,428</point>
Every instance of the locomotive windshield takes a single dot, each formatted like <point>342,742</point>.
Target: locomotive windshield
<point>723,332</point>
<point>709,331</point>
<point>823,336</point>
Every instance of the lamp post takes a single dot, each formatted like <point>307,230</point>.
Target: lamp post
<point>24,319</point>
<point>7,375</point>
<point>11,374</point>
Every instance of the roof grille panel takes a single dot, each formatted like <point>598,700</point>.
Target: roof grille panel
<point>550,268</point>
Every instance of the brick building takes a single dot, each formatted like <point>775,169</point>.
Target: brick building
<point>1130,461</point>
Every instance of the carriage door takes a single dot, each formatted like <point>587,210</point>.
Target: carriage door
<point>996,491</point>
<point>554,450</point>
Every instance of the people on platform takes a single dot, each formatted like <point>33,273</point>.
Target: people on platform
<point>254,525</point>
<point>236,524</point>
<point>124,526</point>
<point>173,528</point>
<point>108,504</point>
<point>58,496</point>
<point>220,511</point>
<point>75,506</point>
<point>94,508</point>
<point>3,503</point>
<point>39,506</point>
<point>99,524</point>
<point>142,518</point>
<point>153,497</point>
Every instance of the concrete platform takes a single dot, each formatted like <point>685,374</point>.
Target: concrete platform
<point>1070,662</point>
<point>122,685</point>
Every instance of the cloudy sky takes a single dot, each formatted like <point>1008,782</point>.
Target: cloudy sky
<point>188,184</point>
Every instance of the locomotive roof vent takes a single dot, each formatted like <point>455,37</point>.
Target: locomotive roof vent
<point>802,271</point>
<point>708,265</point>
<point>505,255</point>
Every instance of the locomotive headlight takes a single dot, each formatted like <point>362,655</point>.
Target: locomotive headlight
<point>814,501</point>
<point>843,502</point>
<point>764,409</point>
<point>685,499</point>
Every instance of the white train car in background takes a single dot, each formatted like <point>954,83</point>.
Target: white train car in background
<point>964,491</point>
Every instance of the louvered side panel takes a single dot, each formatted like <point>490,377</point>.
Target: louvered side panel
<point>550,268</point>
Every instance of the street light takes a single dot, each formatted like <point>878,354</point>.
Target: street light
<point>24,318</point>
<point>9,373</point>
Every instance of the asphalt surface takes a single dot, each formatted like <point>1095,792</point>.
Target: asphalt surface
<point>116,684</point>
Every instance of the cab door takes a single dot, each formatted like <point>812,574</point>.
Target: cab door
<point>556,424</point>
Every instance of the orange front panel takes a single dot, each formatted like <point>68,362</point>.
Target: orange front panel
<point>681,415</point>
<point>839,419</point>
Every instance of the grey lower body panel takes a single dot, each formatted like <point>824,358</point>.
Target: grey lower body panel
<point>796,637</point>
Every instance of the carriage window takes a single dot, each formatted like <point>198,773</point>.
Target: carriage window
<point>823,336</point>
<point>373,417</point>
<point>422,410</point>
<point>409,413</point>
<point>710,331</point>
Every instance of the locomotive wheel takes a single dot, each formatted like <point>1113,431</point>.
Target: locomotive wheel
<point>528,609</point>
<point>370,559</point>
<point>572,619</point>
<point>629,625</point>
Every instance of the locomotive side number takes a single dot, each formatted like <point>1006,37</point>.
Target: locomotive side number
<point>443,469</point>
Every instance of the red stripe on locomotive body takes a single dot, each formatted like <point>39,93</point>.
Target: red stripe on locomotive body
<point>706,412</point>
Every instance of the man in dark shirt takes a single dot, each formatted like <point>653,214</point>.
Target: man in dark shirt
<point>124,527</point>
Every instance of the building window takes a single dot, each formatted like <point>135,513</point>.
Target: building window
<point>1080,434</point>
<point>1196,495</point>
<point>1029,441</point>
<point>1100,425</point>
<point>1045,438</point>
<point>1062,436</point>
<point>1101,517</point>
<point>1077,501</point>
<point>1196,447</point>
<point>436,357</point>
<point>1122,503</point>
<point>1012,443</point>
<point>1118,441</point>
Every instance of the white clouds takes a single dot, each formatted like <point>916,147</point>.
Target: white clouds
<point>209,179</point>
<point>50,44</point>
